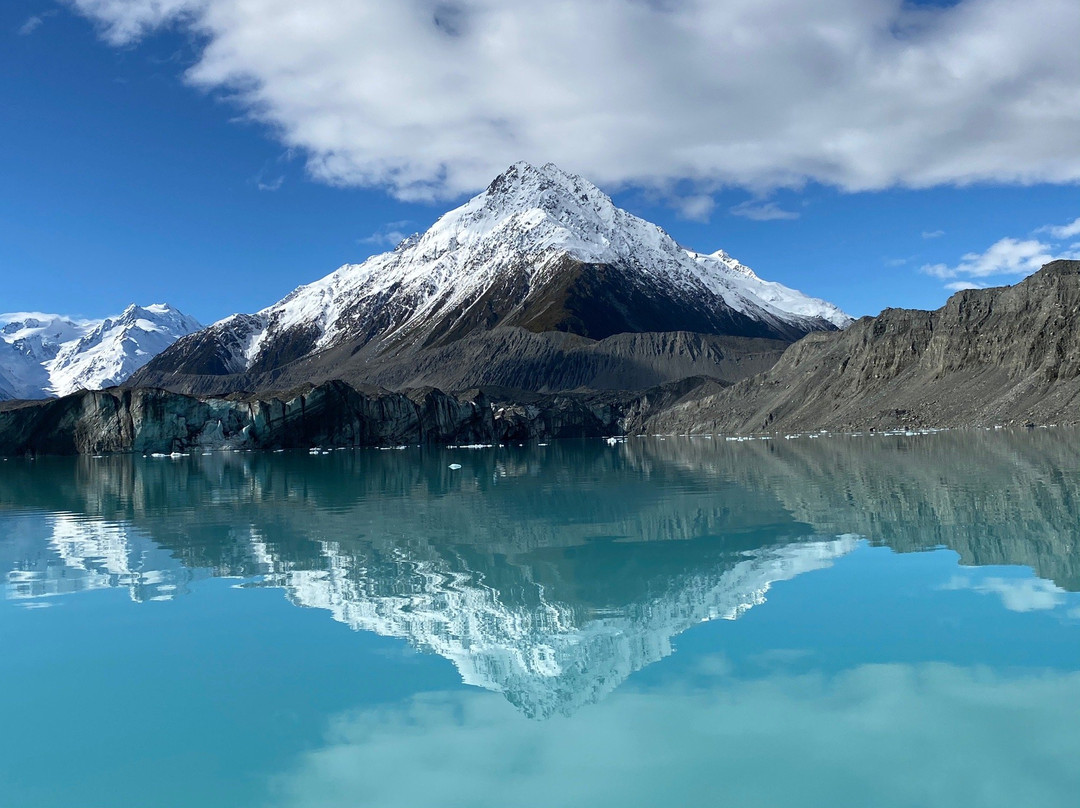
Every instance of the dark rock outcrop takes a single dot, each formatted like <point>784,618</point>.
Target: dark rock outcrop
<point>332,414</point>
<point>150,420</point>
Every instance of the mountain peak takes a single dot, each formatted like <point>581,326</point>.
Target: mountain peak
<point>525,173</point>
<point>539,249</point>
<point>524,186</point>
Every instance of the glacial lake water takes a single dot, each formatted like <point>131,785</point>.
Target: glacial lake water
<point>835,621</point>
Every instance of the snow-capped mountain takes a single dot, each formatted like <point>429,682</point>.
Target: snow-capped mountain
<point>42,355</point>
<point>540,249</point>
<point>117,347</point>
<point>39,336</point>
<point>20,376</point>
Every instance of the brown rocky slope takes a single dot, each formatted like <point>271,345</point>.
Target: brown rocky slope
<point>1008,355</point>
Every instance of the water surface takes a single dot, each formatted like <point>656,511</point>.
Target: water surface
<point>886,621</point>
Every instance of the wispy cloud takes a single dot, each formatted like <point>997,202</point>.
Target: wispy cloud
<point>272,175</point>
<point>35,22</point>
<point>1006,257</point>
<point>1064,230</point>
<point>390,234</point>
<point>762,211</point>
<point>271,184</point>
<point>696,207</point>
<point>425,98</point>
<point>933,233</point>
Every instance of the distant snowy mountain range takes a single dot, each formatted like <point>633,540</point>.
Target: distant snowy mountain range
<point>43,355</point>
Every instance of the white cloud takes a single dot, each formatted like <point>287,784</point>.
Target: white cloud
<point>762,211</point>
<point>1063,231</point>
<point>1007,256</point>
<point>124,21</point>
<point>933,233</point>
<point>1017,595</point>
<point>432,98</point>
<point>781,740</point>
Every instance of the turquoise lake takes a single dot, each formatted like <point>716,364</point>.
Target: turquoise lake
<point>889,620</point>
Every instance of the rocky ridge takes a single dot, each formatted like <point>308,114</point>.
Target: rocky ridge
<point>1007,355</point>
<point>989,357</point>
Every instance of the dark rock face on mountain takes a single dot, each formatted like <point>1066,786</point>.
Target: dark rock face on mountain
<point>1008,355</point>
<point>537,259</point>
<point>548,362</point>
<point>512,358</point>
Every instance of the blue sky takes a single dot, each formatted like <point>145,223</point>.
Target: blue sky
<point>137,168</point>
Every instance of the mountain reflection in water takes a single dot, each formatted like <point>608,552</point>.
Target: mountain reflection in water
<point>548,574</point>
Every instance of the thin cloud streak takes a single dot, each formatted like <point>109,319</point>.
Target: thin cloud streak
<point>33,23</point>
<point>389,235</point>
<point>762,211</point>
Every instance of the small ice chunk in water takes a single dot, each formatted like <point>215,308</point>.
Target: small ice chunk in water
<point>455,466</point>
